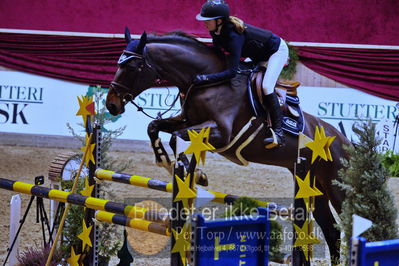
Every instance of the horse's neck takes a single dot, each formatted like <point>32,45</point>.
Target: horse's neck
<point>179,64</point>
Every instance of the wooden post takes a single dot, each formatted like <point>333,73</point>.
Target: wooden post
<point>15,218</point>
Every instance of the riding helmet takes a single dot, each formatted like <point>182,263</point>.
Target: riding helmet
<point>214,9</point>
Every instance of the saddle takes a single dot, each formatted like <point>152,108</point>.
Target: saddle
<point>293,121</point>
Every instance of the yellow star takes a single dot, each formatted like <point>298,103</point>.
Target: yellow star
<point>73,260</point>
<point>318,145</point>
<point>184,192</point>
<point>89,155</point>
<point>86,107</point>
<point>182,242</point>
<point>88,190</point>
<point>328,144</point>
<point>303,238</point>
<point>206,141</point>
<point>199,144</point>
<point>310,202</point>
<point>305,190</point>
<point>327,148</point>
<point>85,236</point>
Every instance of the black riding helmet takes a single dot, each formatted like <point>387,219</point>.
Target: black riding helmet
<point>214,9</point>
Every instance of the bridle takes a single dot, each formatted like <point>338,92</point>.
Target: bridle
<point>123,92</point>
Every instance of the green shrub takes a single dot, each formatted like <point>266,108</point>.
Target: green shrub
<point>390,161</point>
<point>364,181</point>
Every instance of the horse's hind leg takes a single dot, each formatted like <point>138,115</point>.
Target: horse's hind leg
<point>327,223</point>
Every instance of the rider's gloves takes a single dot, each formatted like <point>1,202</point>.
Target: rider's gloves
<point>200,79</point>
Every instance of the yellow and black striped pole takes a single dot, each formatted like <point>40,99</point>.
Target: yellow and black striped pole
<point>160,185</point>
<point>89,202</point>
<point>156,184</point>
<point>135,223</point>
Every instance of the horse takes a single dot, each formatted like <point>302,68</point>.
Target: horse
<point>176,58</point>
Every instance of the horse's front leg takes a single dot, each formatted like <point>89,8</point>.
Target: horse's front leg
<point>168,125</point>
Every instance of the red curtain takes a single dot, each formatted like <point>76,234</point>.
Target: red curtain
<point>87,60</point>
<point>338,21</point>
<point>375,71</point>
<point>92,61</point>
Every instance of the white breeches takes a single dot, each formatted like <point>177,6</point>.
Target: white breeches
<point>274,67</point>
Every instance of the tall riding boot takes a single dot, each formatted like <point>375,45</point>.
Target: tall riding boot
<point>273,106</point>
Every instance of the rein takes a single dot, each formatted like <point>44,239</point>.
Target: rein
<point>159,115</point>
<point>129,98</point>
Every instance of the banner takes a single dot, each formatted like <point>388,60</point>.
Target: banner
<point>37,105</point>
<point>33,104</point>
<point>342,107</point>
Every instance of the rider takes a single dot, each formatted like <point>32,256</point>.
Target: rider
<point>243,40</point>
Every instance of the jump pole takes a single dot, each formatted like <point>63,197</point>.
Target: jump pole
<point>88,202</point>
<point>156,184</point>
<point>135,223</point>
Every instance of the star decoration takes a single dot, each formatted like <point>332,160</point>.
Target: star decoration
<point>318,145</point>
<point>182,244</point>
<point>303,238</point>
<point>89,156</point>
<point>310,202</point>
<point>305,190</point>
<point>184,191</point>
<point>88,190</point>
<point>86,107</point>
<point>199,144</point>
<point>73,260</point>
<point>329,142</point>
<point>85,235</point>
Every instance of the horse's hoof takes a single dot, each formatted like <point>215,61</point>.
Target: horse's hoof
<point>201,178</point>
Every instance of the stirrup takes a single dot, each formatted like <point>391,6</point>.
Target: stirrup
<point>273,144</point>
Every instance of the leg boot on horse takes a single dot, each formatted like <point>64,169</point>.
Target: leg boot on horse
<point>272,104</point>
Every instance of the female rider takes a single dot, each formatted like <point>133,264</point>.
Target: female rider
<point>243,40</point>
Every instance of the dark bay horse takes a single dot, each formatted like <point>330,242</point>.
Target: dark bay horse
<point>177,58</point>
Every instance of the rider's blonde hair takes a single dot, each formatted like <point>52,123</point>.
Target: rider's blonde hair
<point>238,24</point>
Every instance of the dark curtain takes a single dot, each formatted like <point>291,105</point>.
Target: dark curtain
<point>87,60</point>
<point>92,60</point>
<point>375,71</point>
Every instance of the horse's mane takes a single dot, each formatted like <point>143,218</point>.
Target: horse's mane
<point>178,37</point>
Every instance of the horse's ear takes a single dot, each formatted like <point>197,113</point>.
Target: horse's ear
<point>128,38</point>
<point>143,41</point>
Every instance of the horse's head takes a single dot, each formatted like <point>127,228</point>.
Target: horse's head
<point>133,76</point>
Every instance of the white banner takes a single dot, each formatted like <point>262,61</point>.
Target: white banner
<point>32,104</point>
<point>346,106</point>
<point>39,105</point>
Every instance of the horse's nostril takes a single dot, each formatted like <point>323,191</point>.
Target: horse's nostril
<point>111,108</point>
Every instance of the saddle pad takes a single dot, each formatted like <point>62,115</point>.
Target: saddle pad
<point>291,124</point>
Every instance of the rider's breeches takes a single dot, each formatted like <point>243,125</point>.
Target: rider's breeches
<point>274,67</point>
